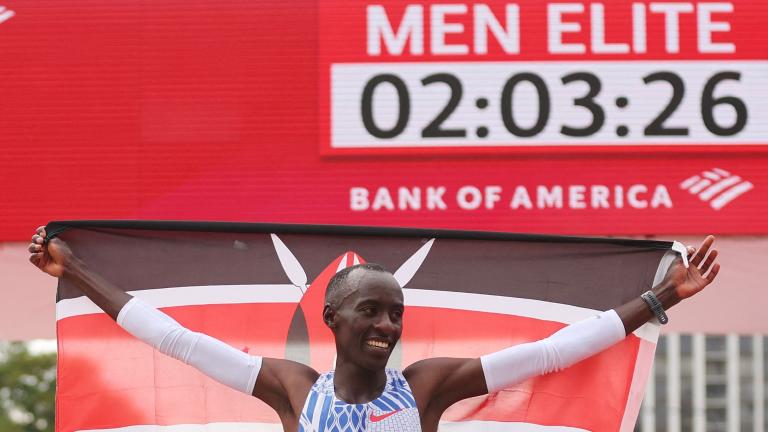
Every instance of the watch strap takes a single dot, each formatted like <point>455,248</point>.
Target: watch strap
<point>653,302</point>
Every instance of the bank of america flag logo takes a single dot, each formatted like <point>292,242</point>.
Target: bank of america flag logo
<point>5,14</point>
<point>717,187</point>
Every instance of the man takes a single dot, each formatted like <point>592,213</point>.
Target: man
<point>364,310</point>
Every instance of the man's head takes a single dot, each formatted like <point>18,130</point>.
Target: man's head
<point>364,309</point>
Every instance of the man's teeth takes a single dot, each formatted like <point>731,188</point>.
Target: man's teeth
<point>378,344</point>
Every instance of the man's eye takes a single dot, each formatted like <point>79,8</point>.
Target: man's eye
<point>370,311</point>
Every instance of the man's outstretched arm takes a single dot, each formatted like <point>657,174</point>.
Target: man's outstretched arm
<point>57,260</point>
<point>678,284</point>
<point>263,378</point>
<point>441,382</point>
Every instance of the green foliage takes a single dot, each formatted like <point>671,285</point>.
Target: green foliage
<point>27,389</point>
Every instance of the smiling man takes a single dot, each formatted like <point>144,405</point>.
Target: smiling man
<point>364,309</point>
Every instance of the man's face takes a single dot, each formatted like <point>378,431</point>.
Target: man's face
<point>368,323</point>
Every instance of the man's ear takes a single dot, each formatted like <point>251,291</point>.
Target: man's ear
<point>329,316</point>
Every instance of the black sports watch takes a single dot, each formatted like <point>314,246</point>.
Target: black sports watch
<point>653,302</point>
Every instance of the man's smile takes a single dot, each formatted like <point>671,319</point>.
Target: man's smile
<point>377,344</point>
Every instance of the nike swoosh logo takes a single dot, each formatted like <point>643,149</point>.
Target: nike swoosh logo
<point>6,14</point>
<point>377,418</point>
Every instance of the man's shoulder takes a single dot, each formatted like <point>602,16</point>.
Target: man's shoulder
<point>429,375</point>
<point>290,367</point>
<point>293,377</point>
<point>431,366</point>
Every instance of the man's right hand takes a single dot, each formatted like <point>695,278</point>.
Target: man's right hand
<point>50,258</point>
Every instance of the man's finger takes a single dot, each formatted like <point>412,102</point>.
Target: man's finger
<point>713,273</point>
<point>708,262</point>
<point>35,258</point>
<point>41,230</point>
<point>691,250</point>
<point>702,252</point>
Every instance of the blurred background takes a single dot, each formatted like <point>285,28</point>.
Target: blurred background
<point>622,118</point>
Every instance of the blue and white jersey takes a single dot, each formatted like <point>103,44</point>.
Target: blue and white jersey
<point>394,411</point>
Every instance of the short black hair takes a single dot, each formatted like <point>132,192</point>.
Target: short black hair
<point>335,292</point>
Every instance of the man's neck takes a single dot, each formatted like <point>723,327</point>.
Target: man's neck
<point>353,384</point>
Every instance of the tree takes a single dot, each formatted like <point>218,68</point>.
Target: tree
<point>27,389</point>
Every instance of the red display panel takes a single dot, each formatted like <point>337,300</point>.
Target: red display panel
<point>623,117</point>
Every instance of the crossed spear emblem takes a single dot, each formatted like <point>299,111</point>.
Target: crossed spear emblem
<point>306,324</point>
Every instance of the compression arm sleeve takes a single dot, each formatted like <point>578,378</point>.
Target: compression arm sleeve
<point>210,356</point>
<point>564,348</point>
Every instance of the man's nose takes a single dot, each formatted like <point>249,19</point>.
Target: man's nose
<point>385,324</point>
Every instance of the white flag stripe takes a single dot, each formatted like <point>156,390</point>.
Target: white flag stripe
<point>719,186</point>
<point>700,185</point>
<point>730,195</point>
<point>190,296</point>
<point>689,182</point>
<point>710,175</point>
<point>468,426</point>
<point>238,294</point>
<point>721,171</point>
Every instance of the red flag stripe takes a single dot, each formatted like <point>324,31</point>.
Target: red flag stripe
<point>470,426</point>
<point>239,294</point>
<point>150,388</point>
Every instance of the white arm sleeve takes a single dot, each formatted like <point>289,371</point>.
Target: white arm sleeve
<point>564,348</point>
<point>210,356</point>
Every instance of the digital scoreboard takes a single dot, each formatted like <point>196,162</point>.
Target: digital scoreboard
<point>621,117</point>
<point>541,74</point>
